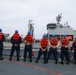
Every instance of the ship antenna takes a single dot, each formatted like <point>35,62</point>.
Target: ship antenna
<point>58,18</point>
<point>31,27</point>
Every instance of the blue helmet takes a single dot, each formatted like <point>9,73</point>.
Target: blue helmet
<point>64,35</point>
<point>44,36</point>
<point>53,35</point>
<point>28,32</point>
<point>0,30</point>
<point>16,31</point>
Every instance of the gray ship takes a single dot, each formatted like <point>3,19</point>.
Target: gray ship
<point>26,68</point>
<point>59,29</point>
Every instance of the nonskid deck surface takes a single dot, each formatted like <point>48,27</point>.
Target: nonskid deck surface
<point>26,68</point>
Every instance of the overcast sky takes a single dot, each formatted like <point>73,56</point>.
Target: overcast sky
<point>15,14</point>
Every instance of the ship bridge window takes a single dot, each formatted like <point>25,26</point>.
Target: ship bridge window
<point>51,25</point>
<point>69,37</point>
<point>57,36</point>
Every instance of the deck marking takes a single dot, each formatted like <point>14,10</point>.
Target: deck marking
<point>29,65</point>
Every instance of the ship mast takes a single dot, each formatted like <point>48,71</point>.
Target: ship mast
<point>58,18</point>
<point>31,27</point>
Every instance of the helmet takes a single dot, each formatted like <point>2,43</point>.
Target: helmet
<point>44,36</point>
<point>0,30</point>
<point>28,32</point>
<point>64,35</point>
<point>75,38</point>
<point>16,31</point>
<point>53,35</point>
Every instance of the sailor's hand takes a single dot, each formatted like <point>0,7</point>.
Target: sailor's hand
<point>15,45</point>
<point>43,50</point>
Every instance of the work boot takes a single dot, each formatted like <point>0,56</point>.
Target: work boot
<point>61,63</point>
<point>1,58</point>
<point>55,62</point>
<point>67,63</point>
<point>30,60</point>
<point>17,59</point>
<point>24,60</point>
<point>36,61</point>
<point>75,62</point>
<point>10,59</point>
<point>46,61</point>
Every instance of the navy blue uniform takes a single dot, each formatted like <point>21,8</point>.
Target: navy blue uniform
<point>43,49</point>
<point>28,47</point>
<point>40,53</point>
<point>14,47</point>
<point>64,50</point>
<point>54,52</point>
<point>53,49</point>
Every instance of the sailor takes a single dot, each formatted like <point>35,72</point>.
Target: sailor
<point>16,41</point>
<point>43,48</point>
<point>2,38</point>
<point>53,48</point>
<point>28,40</point>
<point>74,47</point>
<point>64,49</point>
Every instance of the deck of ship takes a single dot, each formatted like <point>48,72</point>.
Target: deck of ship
<point>26,68</point>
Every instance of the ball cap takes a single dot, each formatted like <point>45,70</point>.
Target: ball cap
<point>16,31</point>
<point>64,35</point>
<point>0,30</point>
<point>53,35</point>
<point>44,36</point>
<point>28,32</point>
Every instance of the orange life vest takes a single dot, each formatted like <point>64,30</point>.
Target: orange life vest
<point>16,37</point>
<point>44,42</point>
<point>1,35</point>
<point>64,41</point>
<point>28,38</point>
<point>54,41</point>
<point>75,43</point>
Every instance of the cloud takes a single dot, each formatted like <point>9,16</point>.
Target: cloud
<point>15,14</point>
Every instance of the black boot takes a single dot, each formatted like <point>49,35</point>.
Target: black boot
<point>56,62</point>
<point>17,59</point>
<point>61,62</point>
<point>36,61</point>
<point>75,62</point>
<point>30,60</point>
<point>46,61</point>
<point>1,58</point>
<point>67,62</point>
<point>10,59</point>
<point>24,60</point>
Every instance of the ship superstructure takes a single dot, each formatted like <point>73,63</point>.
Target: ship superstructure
<point>59,29</point>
